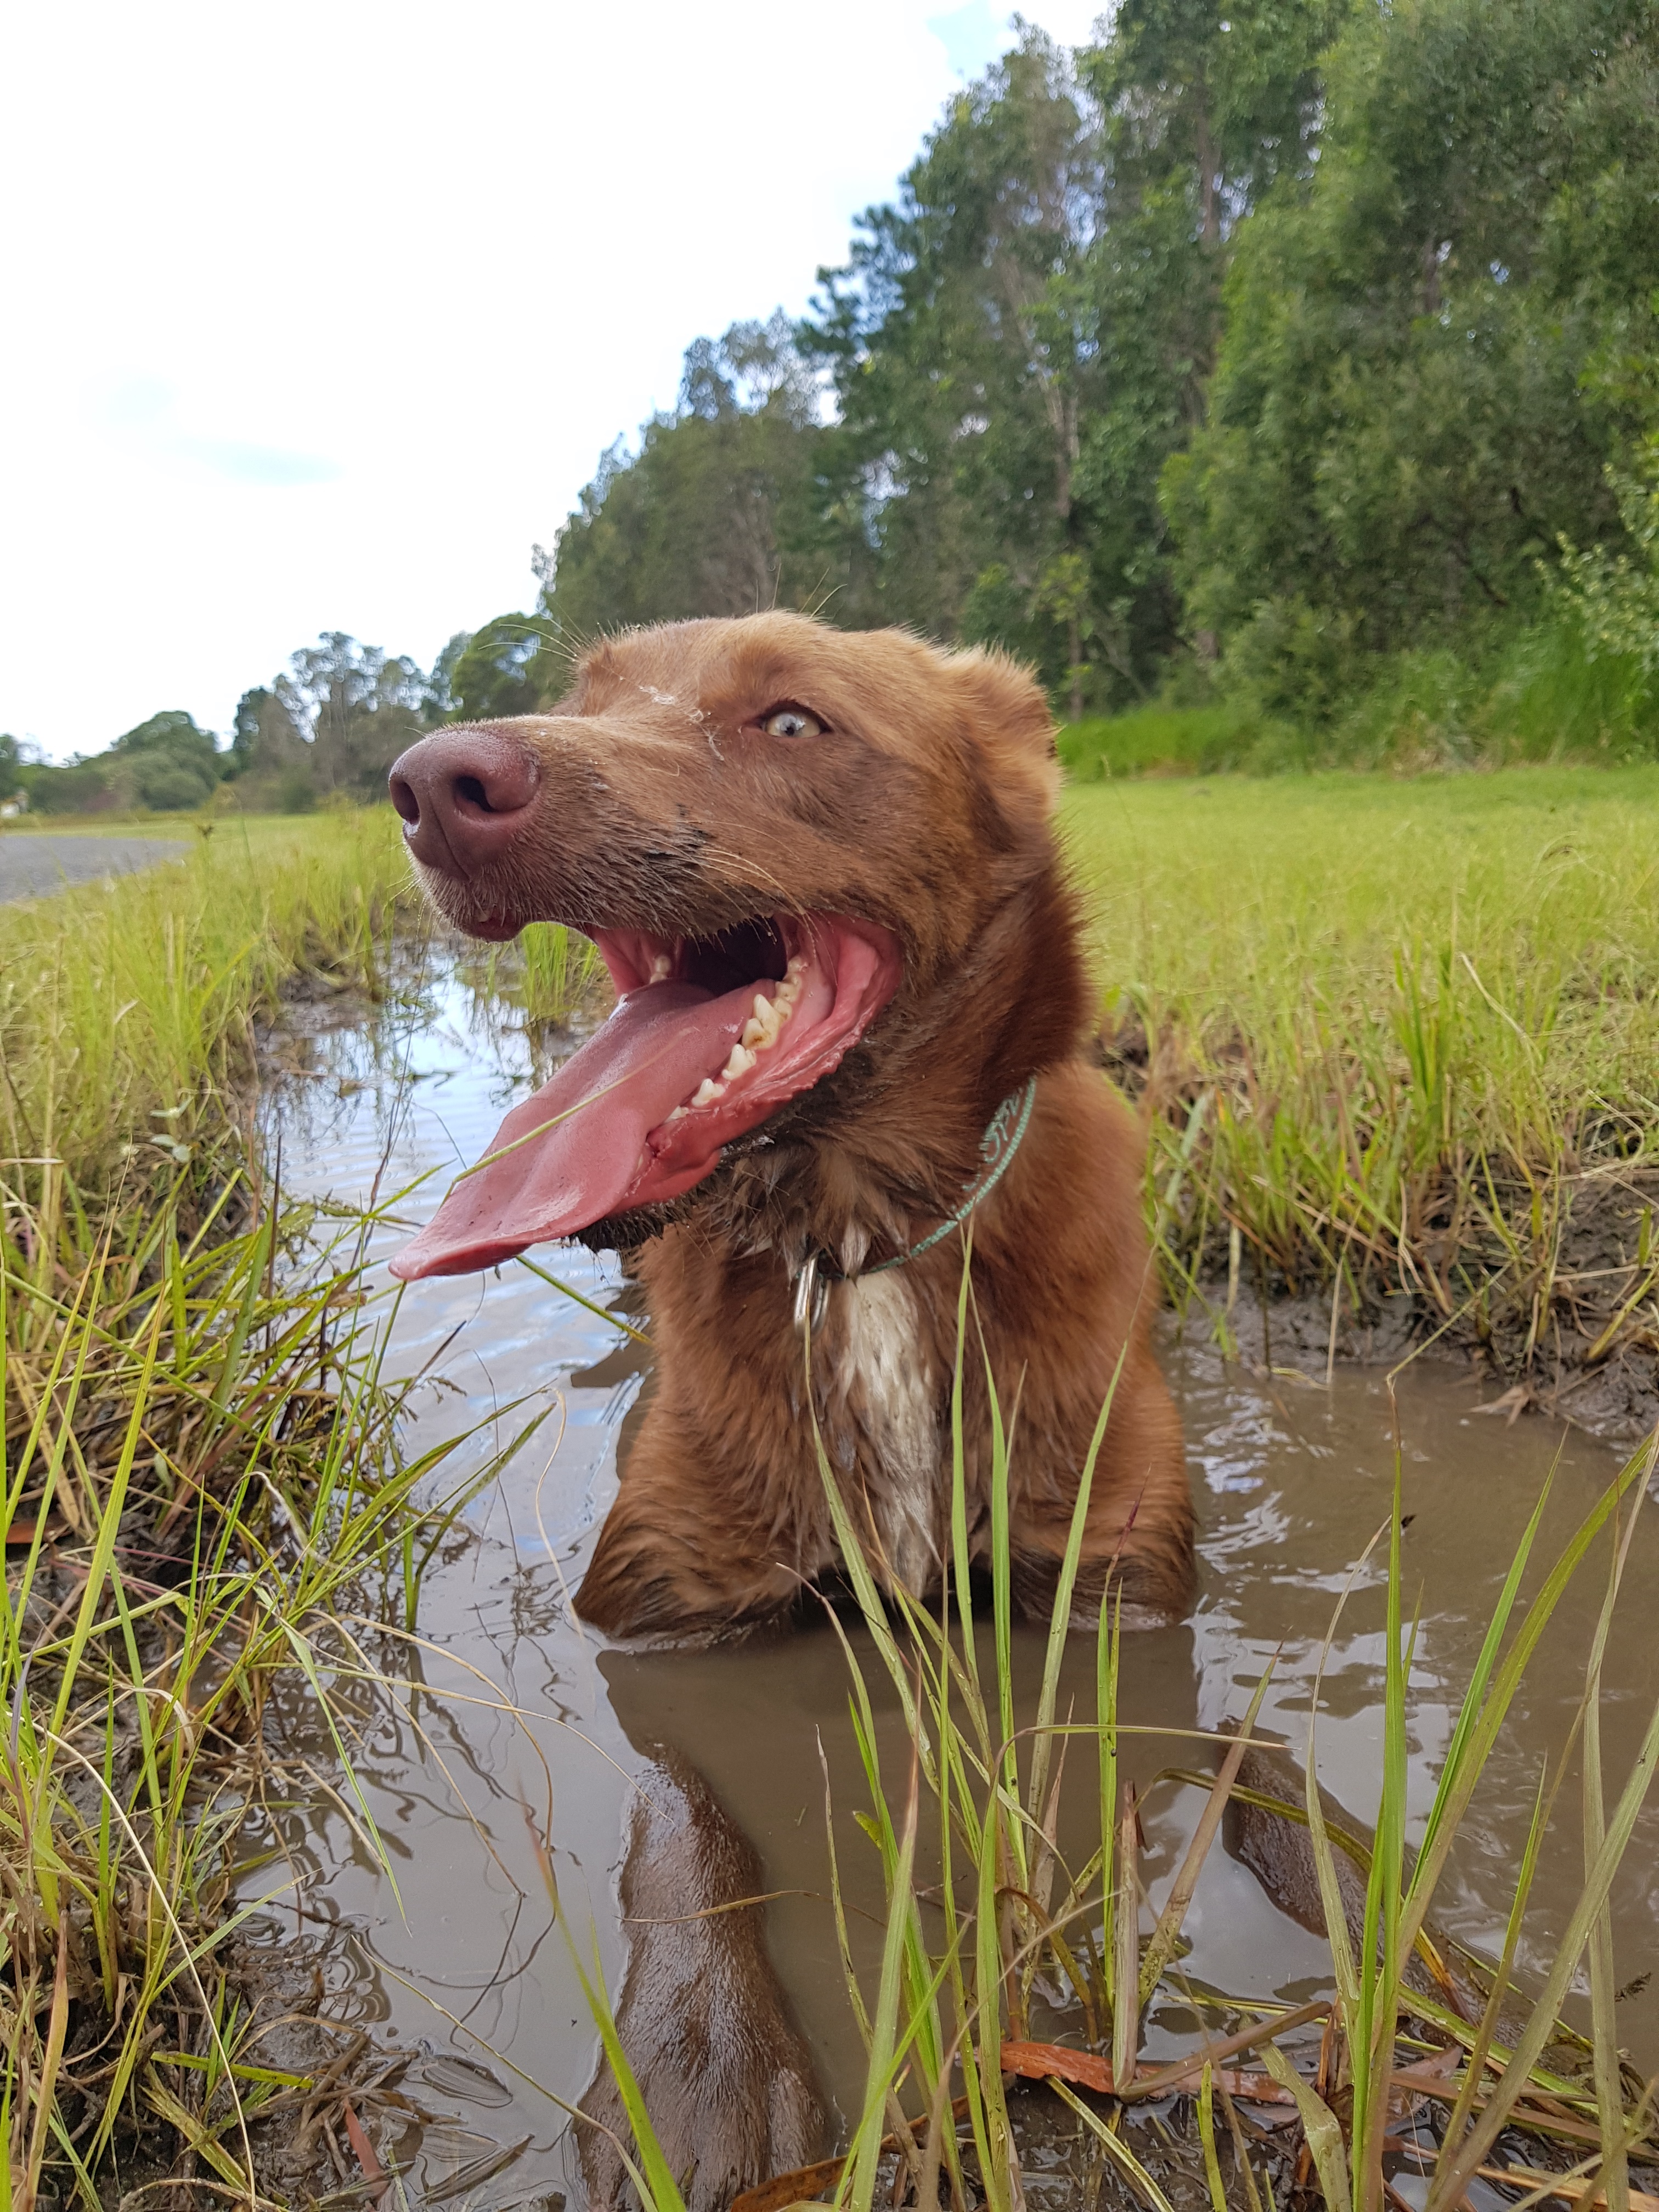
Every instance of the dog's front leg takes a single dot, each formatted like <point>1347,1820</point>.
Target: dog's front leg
<point>690,1551</point>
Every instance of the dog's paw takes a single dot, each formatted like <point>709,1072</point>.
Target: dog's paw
<point>726,2079</point>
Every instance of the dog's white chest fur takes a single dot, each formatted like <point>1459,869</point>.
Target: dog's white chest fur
<point>886,1384</point>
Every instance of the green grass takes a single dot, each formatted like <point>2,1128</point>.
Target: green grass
<point>127,1012</point>
<point>1530,696</point>
<point>1387,1033</point>
<point>1405,1033</point>
<point>200,1470</point>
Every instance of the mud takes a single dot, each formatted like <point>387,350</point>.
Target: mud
<point>506,1729</point>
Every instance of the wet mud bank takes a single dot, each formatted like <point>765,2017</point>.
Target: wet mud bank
<point>1595,1366</point>
<point>500,1738</point>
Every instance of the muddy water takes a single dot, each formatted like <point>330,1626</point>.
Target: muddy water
<point>513,1722</point>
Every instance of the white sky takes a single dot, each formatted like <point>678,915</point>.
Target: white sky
<point>318,313</point>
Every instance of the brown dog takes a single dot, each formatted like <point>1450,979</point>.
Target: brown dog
<point>822,871</point>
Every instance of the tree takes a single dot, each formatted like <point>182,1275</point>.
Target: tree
<point>443,702</point>
<point>1614,599</point>
<point>1412,402</point>
<point>504,669</point>
<point>166,764</point>
<point>714,514</point>
<point>1020,341</point>
<point>963,346</point>
<point>275,766</point>
<point>356,707</point>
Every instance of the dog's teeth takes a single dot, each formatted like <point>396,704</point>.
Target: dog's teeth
<point>761,1030</point>
<point>678,1114</point>
<point>661,969</point>
<point>741,1061</point>
<point>708,1091</point>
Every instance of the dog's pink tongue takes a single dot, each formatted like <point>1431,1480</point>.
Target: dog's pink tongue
<point>568,1157</point>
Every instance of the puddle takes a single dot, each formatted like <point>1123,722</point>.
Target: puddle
<point>463,1967</point>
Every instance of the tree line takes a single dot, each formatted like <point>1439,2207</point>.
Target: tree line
<point>326,729</point>
<point>1292,354</point>
<point>1297,358</point>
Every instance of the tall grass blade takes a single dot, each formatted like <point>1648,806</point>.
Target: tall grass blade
<point>1118,2151</point>
<point>1320,2126</point>
<point>1453,2174</point>
<point>883,2027</point>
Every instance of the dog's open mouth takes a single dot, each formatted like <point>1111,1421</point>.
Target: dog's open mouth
<point>709,1036</point>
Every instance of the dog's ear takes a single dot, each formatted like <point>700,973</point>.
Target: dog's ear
<point>1009,718</point>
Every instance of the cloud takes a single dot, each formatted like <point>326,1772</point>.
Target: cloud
<point>332,311</point>
<point>146,410</point>
<point>257,464</point>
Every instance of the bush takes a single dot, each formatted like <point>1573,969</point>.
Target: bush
<point>1179,741</point>
<point>1537,695</point>
<point>168,785</point>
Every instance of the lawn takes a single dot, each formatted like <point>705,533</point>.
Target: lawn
<point>1404,1028</point>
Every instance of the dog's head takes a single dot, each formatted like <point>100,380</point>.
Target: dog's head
<point>779,836</point>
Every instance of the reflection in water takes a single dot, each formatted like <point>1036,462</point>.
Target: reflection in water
<point>511,1720</point>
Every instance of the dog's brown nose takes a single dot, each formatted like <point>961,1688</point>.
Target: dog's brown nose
<point>464,796</point>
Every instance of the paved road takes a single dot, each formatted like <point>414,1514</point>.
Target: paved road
<point>30,864</point>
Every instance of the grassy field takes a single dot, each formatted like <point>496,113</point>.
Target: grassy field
<point>1389,1035</point>
<point>1395,1035</point>
<point>200,1463</point>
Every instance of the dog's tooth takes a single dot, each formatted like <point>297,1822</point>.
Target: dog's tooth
<point>754,1033</point>
<point>661,969</point>
<point>707,1092</point>
<point>740,1062</point>
<point>678,1114</point>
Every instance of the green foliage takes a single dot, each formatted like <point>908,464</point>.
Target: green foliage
<point>1615,600</point>
<point>1299,362</point>
<point>331,726</point>
<point>356,707</point>
<point>1190,740</point>
<point>1540,694</point>
<point>1419,381</point>
<point>712,516</point>
<point>165,764</point>
<point>1015,346</point>
<point>1287,352</point>
<point>504,669</point>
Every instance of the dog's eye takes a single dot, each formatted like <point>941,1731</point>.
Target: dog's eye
<point>787,721</point>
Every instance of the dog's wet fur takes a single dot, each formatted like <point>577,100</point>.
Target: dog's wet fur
<point>924,803</point>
